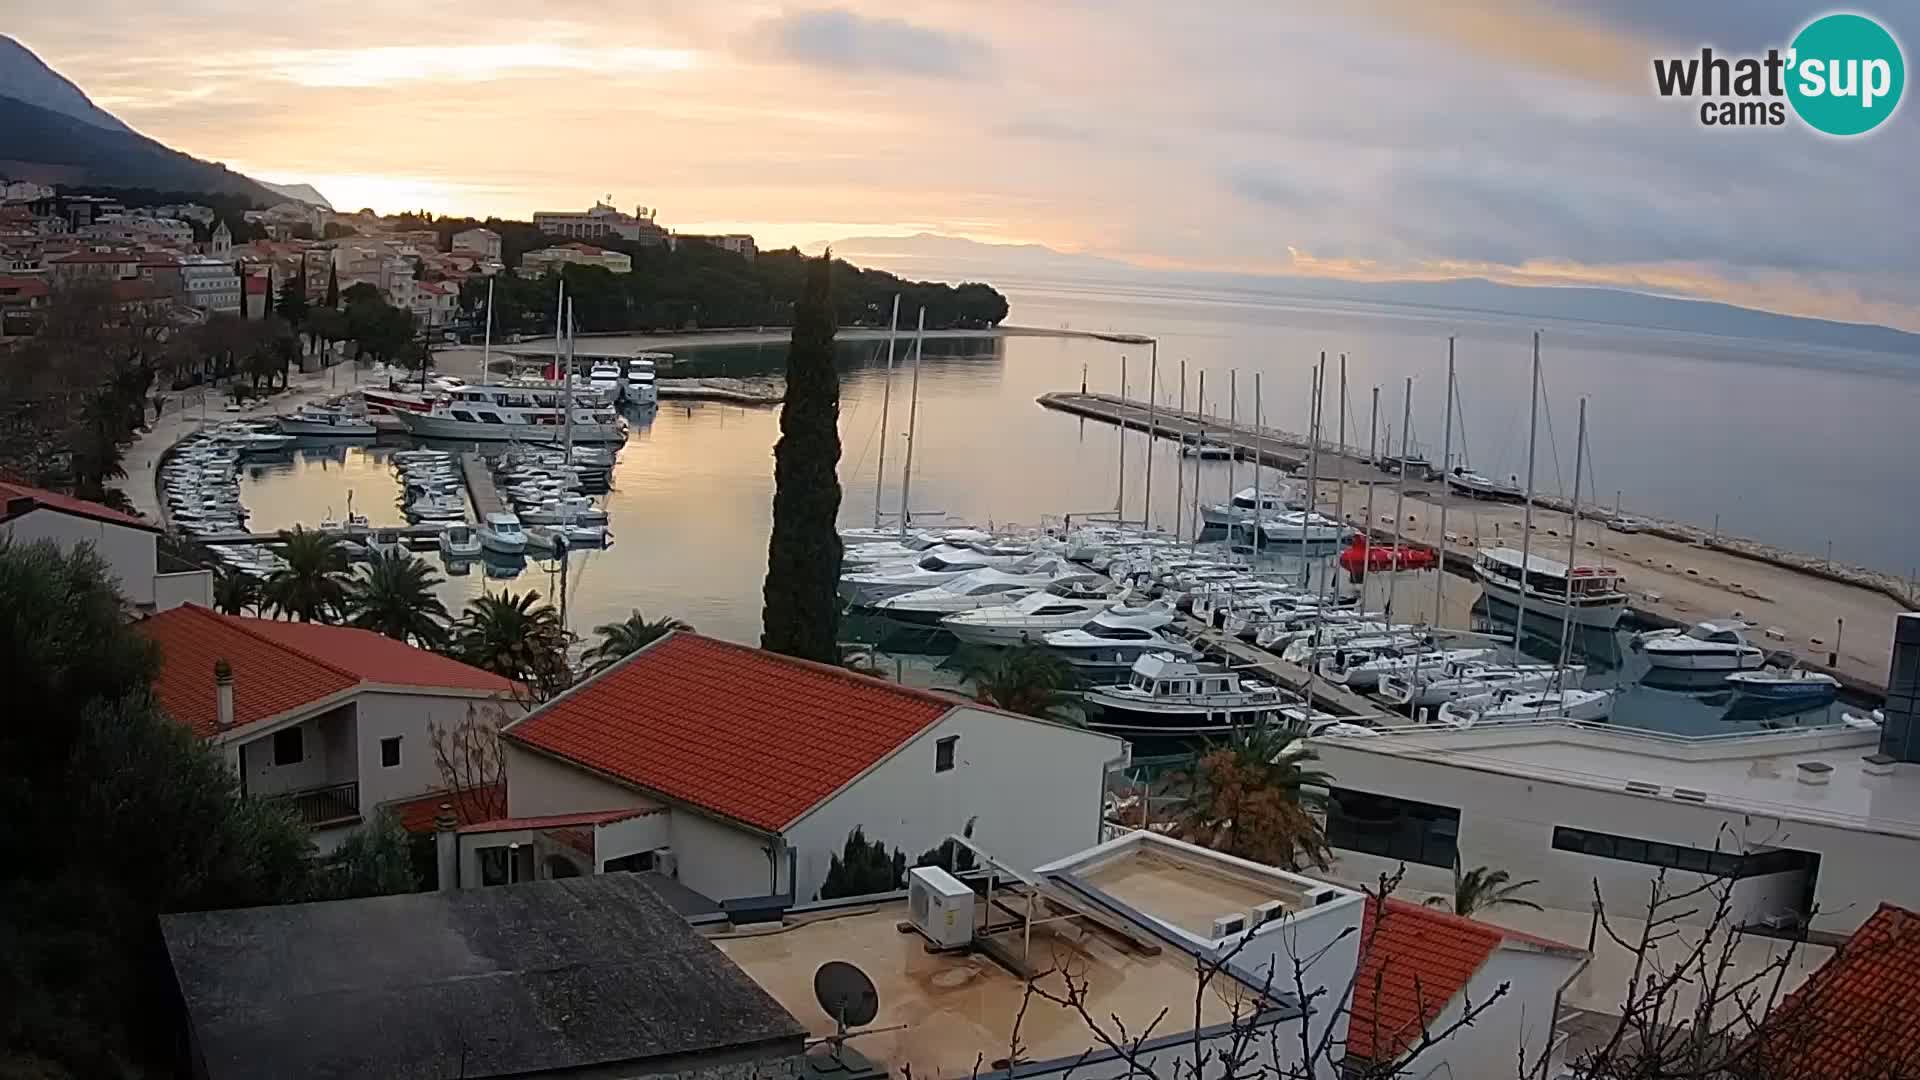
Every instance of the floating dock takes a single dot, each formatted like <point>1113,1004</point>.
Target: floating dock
<point>411,534</point>
<point>1324,695</point>
<point>481,492</point>
<point>732,391</point>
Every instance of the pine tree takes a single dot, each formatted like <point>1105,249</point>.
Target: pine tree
<point>801,616</point>
<point>292,302</point>
<point>266,305</point>
<point>240,271</point>
<point>333,287</point>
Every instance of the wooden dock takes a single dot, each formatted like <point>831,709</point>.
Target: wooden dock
<point>409,534</point>
<point>1239,654</point>
<point>1274,448</point>
<point>481,492</point>
<point>731,391</point>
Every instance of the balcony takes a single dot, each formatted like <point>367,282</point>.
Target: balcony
<point>321,807</point>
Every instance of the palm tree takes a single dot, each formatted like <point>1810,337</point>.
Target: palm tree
<point>394,596</point>
<point>1480,888</point>
<point>518,637</point>
<point>235,592</point>
<point>312,586</point>
<point>1027,680</point>
<point>1247,798</point>
<point>626,637</point>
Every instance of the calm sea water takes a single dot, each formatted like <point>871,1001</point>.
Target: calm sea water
<point>1784,446</point>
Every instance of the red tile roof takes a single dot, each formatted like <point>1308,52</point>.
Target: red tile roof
<point>556,821</point>
<point>23,286</point>
<point>750,735</point>
<point>1410,967</point>
<point>416,814</point>
<point>41,499</point>
<point>1853,1017</point>
<point>278,666</point>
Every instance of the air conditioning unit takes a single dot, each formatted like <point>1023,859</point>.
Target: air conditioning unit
<point>1229,925</point>
<point>1267,912</point>
<point>940,907</point>
<point>665,863</point>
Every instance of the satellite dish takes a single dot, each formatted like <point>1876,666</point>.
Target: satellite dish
<point>846,994</point>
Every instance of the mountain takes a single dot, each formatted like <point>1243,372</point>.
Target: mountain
<point>299,193</point>
<point>25,77</point>
<point>951,258</point>
<point>51,133</point>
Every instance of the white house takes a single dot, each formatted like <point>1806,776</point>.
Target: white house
<point>544,261</point>
<point>745,771</point>
<point>129,545</point>
<point>484,243</point>
<point>334,720</point>
<point>209,283</point>
<point>434,303</point>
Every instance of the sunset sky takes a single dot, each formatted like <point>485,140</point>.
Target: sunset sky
<point>1371,139</point>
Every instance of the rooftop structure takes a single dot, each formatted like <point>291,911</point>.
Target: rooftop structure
<point>128,545</point>
<point>1854,1016</point>
<point>536,979</point>
<point>602,220</point>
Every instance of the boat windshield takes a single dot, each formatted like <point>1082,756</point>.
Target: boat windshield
<point>1116,633</point>
<point>1713,634</point>
<point>935,562</point>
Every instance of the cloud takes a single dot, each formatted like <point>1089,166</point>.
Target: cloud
<point>840,40</point>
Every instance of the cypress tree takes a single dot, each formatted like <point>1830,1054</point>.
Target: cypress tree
<point>801,616</point>
<point>333,286</point>
<point>266,306</point>
<point>240,271</point>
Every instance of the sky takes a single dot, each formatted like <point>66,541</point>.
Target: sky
<point>1519,140</point>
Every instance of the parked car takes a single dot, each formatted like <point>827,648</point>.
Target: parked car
<point>1627,523</point>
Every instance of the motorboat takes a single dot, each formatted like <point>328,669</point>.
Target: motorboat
<point>1116,637</point>
<point>460,541</point>
<point>1168,695</point>
<point>1705,646</point>
<point>325,420</point>
<point>1793,684</point>
<point>936,565</point>
<point>1397,641</point>
<point>640,386</point>
<point>249,441</point>
<point>981,588</point>
<point>1361,557</point>
<point>1463,481</point>
<point>526,412</point>
<point>437,508</point>
<point>1211,604</point>
<point>502,533</point>
<point>1362,669</point>
<point>574,535</point>
<point>1425,688</point>
<point>1207,451</point>
<point>1415,464</point>
<point>567,511</point>
<point>604,377</point>
<point>1245,502</point>
<point>1511,705</point>
<point>1063,605</point>
<point>1584,595</point>
<point>1302,526</point>
<point>381,542</point>
<point>1283,627</point>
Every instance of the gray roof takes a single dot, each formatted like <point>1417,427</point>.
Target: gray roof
<point>474,982</point>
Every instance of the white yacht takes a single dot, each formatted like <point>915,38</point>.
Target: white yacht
<point>939,564</point>
<point>639,386</point>
<point>385,542</point>
<point>460,541</point>
<point>604,377</point>
<point>1597,599</point>
<point>1362,669</point>
<point>248,440</point>
<point>1060,606</point>
<point>1510,705</point>
<point>1242,506</point>
<point>1706,646</point>
<point>326,420</point>
<point>982,588</point>
<point>1166,695</point>
<point>436,507</point>
<point>1424,688</point>
<point>1462,481</point>
<point>572,510</point>
<point>1302,526</point>
<point>502,533</point>
<point>526,411</point>
<point>1116,637</point>
<point>1392,641</point>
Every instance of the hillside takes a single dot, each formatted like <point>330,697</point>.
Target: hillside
<point>25,77</point>
<point>53,147</point>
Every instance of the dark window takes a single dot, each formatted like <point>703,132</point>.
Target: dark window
<point>943,753</point>
<point>289,748</point>
<point>1726,864</point>
<point>1402,829</point>
<point>463,415</point>
<point>390,752</point>
<point>639,862</point>
<point>490,418</point>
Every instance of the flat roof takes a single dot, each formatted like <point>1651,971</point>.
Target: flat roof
<point>502,981</point>
<point>1185,893</point>
<point>1750,773</point>
<point>955,1007</point>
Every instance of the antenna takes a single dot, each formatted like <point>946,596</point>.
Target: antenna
<point>846,994</point>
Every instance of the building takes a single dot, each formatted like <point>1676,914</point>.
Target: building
<point>542,262</point>
<point>484,243</point>
<point>24,191</point>
<point>259,288</point>
<point>740,244</point>
<point>602,221</point>
<point>94,264</point>
<point>220,241</point>
<point>140,228</point>
<point>1854,1016</point>
<point>748,770</point>
<point>435,303</point>
<point>594,977</point>
<point>210,284</point>
<point>333,720</point>
<point>147,578</point>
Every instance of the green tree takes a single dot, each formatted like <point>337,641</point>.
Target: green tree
<point>626,637</point>
<point>1027,679</point>
<point>862,868</point>
<point>517,637</point>
<point>266,304</point>
<point>1479,889</point>
<point>312,586</point>
<point>393,595</point>
<point>235,593</point>
<point>292,302</point>
<point>333,286</point>
<point>240,271</point>
<point>327,325</point>
<point>374,860</point>
<point>802,613</point>
<point>1246,798</point>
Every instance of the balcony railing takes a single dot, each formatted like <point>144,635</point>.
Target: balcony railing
<point>319,806</point>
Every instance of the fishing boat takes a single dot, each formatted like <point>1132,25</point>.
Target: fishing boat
<point>1584,595</point>
<point>1166,695</point>
<point>392,402</point>
<point>1424,688</point>
<point>325,421</point>
<point>1791,685</point>
<point>502,533</point>
<point>1705,646</point>
<point>1463,481</point>
<point>1362,669</point>
<point>460,541</point>
<point>1062,605</point>
<point>1511,705</point>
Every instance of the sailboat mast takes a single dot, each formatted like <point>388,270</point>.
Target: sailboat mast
<point>1233,458</point>
<point>1179,460</point>
<point>1340,485</point>
<point>886,401</point>
<point>1573,537</point>
<point>1446,467</point>
<point>486,341</point>
<point>1526,523</point>
<point>1400,494</point>
<point>1259,442</point>
<point>913,417</point>
<point>567,394</point>
<point>1313,464</point>
<point>559,319</point>
<point>1373,448</point>
<point>1153,398</point>
<point>1120,439</point>
<point>1198,523</point>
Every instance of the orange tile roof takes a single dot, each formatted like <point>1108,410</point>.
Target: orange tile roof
<point>1853,1017</point>
<point>279,666</point>
<point>416,814</point>
<point>750,735</point>
<point>1410,967</point>
<point>42,499</point>
<point>554,821</point>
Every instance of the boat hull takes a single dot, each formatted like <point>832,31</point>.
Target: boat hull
<point>1744,660</point>
<point>431,426</point>
<point>1600,616</point>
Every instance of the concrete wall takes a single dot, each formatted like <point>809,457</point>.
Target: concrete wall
<point>631,837</point>
<point>538,786</point>
<point>189,587</point>
<point>410,716</point>
<point>1507,822</point>
<point>1521,1017</point>
<point>1034,788</point>
<point>128,551</point>
<point>324,740</point>
<point>719,860</point>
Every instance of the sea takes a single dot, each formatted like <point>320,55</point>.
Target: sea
<point>1797,446</point>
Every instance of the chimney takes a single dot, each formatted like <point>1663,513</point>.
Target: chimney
<point>446,849</point>
<point>1900,730</point>
<point>223,695</point>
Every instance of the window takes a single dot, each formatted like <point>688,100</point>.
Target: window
<point>463,415</point>
<point>1730,864</point>
<point>289,747</point>
<point>390,752</point>
<point>943,753</point>
<point>1402,829</point>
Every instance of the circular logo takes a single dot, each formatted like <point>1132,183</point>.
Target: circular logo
<point>1847,74</point>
